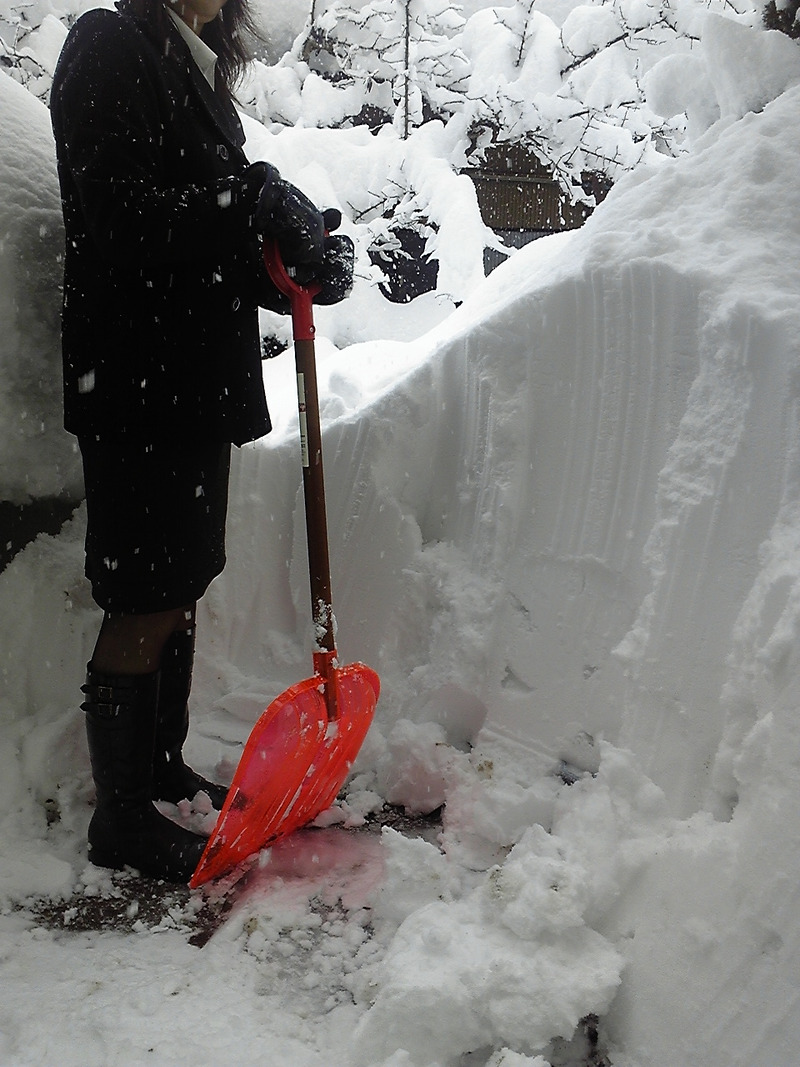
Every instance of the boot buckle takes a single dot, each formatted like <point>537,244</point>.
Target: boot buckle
<point>104,709</point>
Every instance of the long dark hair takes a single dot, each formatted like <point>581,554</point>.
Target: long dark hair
<point>230,35</point>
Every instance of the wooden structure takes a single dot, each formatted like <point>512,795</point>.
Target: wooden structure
<point>521,200</point>
<point>516,191</point>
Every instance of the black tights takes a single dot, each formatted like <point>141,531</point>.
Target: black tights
<point>133,644</point>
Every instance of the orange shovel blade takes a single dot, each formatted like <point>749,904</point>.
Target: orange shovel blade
<point>293,765</point>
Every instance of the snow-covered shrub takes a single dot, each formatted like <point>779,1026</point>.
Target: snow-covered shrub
<point>400,52</point>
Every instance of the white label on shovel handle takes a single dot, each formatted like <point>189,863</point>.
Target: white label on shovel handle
<point>301,407</point>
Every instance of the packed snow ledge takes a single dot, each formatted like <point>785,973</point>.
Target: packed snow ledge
<point>565,529</point>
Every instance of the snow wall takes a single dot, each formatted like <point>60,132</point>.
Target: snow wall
<point>578,516</point>
<point>569,519</point>
<point>37,454</point>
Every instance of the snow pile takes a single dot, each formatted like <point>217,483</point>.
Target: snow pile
<point>31,249</point>
<point>510,964</point>
<point>564,529</point>
<point>705,86</point>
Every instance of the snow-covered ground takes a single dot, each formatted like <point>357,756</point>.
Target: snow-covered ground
<point>565,526</point>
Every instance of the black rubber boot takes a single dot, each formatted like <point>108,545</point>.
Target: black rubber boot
<point>126,829</point>
<point>172,779</point>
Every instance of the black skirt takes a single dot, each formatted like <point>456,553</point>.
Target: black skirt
<point>156,521</point>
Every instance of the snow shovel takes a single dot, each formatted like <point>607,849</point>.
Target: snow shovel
<point>301,749</point>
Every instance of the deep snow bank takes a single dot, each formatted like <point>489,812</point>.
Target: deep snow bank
<point>566,495</point>
<point>587,498</point>
<point>31,248</point>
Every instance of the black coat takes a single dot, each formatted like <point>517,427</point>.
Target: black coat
<point>161,278</point>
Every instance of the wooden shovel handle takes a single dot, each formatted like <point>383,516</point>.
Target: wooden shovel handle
<point>314,494</point>
<point>311,450</point>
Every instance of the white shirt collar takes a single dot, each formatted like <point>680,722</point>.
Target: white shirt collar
<point>204,57</point>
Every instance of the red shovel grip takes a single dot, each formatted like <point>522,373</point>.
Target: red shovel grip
<point>300,296</point>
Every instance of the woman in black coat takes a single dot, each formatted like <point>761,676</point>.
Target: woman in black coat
<point>163,278</point>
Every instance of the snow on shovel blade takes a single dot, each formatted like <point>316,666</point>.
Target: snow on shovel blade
<point>293,765</point>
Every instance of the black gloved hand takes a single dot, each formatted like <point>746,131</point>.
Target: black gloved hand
<point>286,213</point>
<point>335,274</point>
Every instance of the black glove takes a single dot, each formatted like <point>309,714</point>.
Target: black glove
<point>285,213</point>
<point>335,274</point>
